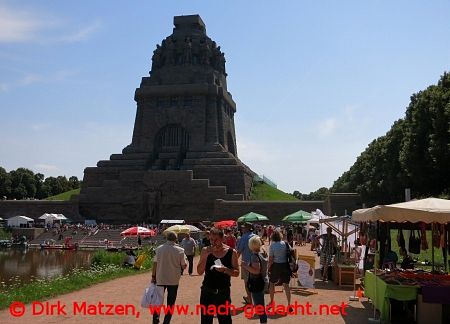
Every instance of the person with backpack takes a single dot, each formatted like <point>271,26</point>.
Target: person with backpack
<point>257,269</point>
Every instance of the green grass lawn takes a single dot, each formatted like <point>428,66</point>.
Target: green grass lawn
<point>105,266</point>
<point>262,191</point>
<point>65,195</point>
<point>424,255</point>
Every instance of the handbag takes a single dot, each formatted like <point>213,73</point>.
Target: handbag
<point>153,296</point>
<point>293,267</point>
<point>255,283</point>
<point>414,243</point>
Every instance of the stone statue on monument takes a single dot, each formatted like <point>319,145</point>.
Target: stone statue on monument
<point>205,53</point>
<point>187,51</point>
<point>169,54</point>
<point>156,58</point>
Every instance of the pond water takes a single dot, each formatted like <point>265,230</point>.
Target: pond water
<point>27,264</point>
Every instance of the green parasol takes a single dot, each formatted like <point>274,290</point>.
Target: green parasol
<point>252,217</point>
<point>299,216</point>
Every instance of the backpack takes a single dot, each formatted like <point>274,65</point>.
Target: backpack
<point>293,267</point>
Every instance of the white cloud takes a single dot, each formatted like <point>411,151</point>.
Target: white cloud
<point>82,34</point>
<point>18,25</point>
<point>326,127</point>
<point>30,78</point>
<point>46,168</point>
<point>33,78</point>
<point>4,87</point>
<point>37,127</point>
<point>26,25</point>
<point>349,112</point>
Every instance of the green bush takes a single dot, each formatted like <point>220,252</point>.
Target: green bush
<point>102,257</point>
<point>5,234</point>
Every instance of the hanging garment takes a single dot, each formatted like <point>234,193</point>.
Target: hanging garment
<point>436,236</point>
<point>401,239</point>
<point>414,243</point>
<point>423,237</point>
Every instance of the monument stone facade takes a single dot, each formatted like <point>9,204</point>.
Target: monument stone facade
<point>183,154</point>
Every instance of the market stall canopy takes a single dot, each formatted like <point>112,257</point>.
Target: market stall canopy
<point>172,221</point>
<point>429,210</point>
<point>16,221</point>
<point>53,216</point>
<point>225,224</point>
<point>315,217</point>
<point>299,216</point>
<point>252,217</point>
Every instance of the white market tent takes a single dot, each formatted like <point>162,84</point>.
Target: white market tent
<point>172,221</point>
<point>19,221</point>
<point>50,218</point>
<point>427,210</point>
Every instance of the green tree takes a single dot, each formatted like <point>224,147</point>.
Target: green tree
<point>74,183</point>
<point>414,153</point>
<point>5,184</point>
<point>23,183</point>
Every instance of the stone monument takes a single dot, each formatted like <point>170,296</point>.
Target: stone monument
<point>183,154</point>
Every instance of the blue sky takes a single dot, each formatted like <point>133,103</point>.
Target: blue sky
<point>314,81</point>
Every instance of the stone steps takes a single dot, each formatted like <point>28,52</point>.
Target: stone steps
<point>130,156</point>
<point>200,155</point>
<point>121,163</point>
<point>210,161</point>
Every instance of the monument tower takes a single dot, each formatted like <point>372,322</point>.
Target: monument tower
<point>183,154</point>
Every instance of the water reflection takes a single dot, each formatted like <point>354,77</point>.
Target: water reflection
<point>34,263</point>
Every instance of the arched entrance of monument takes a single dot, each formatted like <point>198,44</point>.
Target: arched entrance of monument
<point>230,144</point>
<point>172,143</point>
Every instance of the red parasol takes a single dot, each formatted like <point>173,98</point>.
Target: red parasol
<point>137,230</point>
<point>225,223</point>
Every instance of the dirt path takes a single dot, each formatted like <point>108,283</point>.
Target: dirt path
<point>129,290</point>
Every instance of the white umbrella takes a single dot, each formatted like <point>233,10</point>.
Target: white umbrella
<point>193,229</point>
<point>183,229</point>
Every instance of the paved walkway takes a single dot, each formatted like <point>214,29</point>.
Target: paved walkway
<point>129,290</point>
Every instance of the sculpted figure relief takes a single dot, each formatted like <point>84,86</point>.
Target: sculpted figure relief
<point>169,51</point>
<point>156,59</point>
<point>205,53</point>
<point>187,51</point>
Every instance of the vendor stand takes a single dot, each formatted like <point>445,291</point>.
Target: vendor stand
<point>345,265</point>
<point>429,291</point>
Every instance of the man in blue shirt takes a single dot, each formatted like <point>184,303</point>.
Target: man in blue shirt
<point>244,250</point>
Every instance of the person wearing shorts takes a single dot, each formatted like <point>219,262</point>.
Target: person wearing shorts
<point>279,271</point>
<point>244,251</point>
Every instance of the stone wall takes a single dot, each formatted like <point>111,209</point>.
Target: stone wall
<point>35,208</point>
<point>341,203</point>
<point>29,233</point>
<point>275,210</point>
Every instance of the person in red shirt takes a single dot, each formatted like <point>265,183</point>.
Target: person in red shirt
<point>229,239</point>
<point>269,232</point>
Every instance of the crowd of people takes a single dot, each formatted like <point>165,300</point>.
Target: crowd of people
<point>227,253</point>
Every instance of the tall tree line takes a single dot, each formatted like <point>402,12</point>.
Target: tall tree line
<point>414,153</point>
<point>24,183</point>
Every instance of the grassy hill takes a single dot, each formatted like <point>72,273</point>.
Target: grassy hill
<point>262,191</point>
<point>65,195</point>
